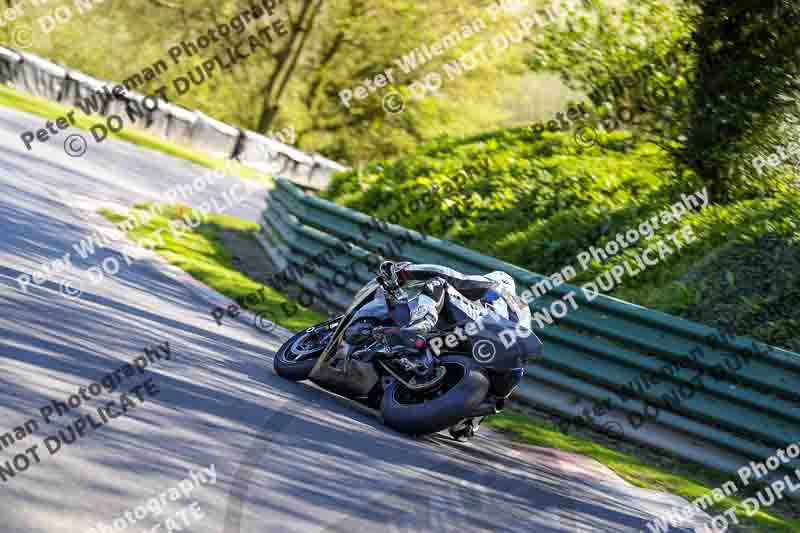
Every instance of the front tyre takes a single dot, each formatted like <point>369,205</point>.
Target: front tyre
<point>464,388</point>
<point>297,357</point>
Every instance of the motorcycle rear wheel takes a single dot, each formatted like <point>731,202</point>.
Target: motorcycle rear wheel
<point>465,387</point>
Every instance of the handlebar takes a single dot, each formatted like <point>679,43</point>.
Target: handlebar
<point>396,293</point>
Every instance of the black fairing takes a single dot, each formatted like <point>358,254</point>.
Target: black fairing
<point>504,383</point>
<point>508,355</point>
<point>377,308</point>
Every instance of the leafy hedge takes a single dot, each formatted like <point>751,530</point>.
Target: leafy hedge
<point>538,201</point>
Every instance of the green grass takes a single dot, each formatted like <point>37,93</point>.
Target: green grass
<point>685,479</point>
<point>29,103</point>
<point>202,254</point>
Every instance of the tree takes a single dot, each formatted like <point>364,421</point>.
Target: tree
<point>630,60</point>
<point>286,61</point>
<point>713,82</point>
<point>745,86</point>
<point>297,80</point>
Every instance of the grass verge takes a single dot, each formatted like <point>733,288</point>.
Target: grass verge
<point>29,103</point>
<point>683,478</point>
<point>201,253</point>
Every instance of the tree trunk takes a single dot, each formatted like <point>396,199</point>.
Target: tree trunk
<point>287,62</point>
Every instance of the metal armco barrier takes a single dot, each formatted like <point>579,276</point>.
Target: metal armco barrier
<point>591,354</point>
<point>32,74</point>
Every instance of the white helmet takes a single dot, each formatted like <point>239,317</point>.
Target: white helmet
<point>506,282</point>
<point>507,289</point>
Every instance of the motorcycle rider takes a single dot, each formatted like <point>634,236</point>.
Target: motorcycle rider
<point>475,295</point>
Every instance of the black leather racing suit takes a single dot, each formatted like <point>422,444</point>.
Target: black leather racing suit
<point>475,295</point>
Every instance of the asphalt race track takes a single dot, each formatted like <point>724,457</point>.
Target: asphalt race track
<point>286,457</point>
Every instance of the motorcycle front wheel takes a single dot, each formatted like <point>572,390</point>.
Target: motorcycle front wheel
<point>297,357</point>
<point>463,389</point>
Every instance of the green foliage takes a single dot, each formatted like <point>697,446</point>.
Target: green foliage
<point>744,89</point>
<point>629,58</point>
<point>344,43</point>
<point>689,480</point>
<point>538,203</point>
<point>713,83</point>
<point>753,280</point>
<point>531,202</point>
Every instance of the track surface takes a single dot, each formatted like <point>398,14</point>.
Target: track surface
<point>288,457</point>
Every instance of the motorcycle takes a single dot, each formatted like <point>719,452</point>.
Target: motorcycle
<point>418,390</point>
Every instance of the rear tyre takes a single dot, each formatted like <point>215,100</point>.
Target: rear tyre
<point>465,387</point>
<point>297,357</point>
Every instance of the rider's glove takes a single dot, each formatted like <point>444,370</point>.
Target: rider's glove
<point>390,274</point>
